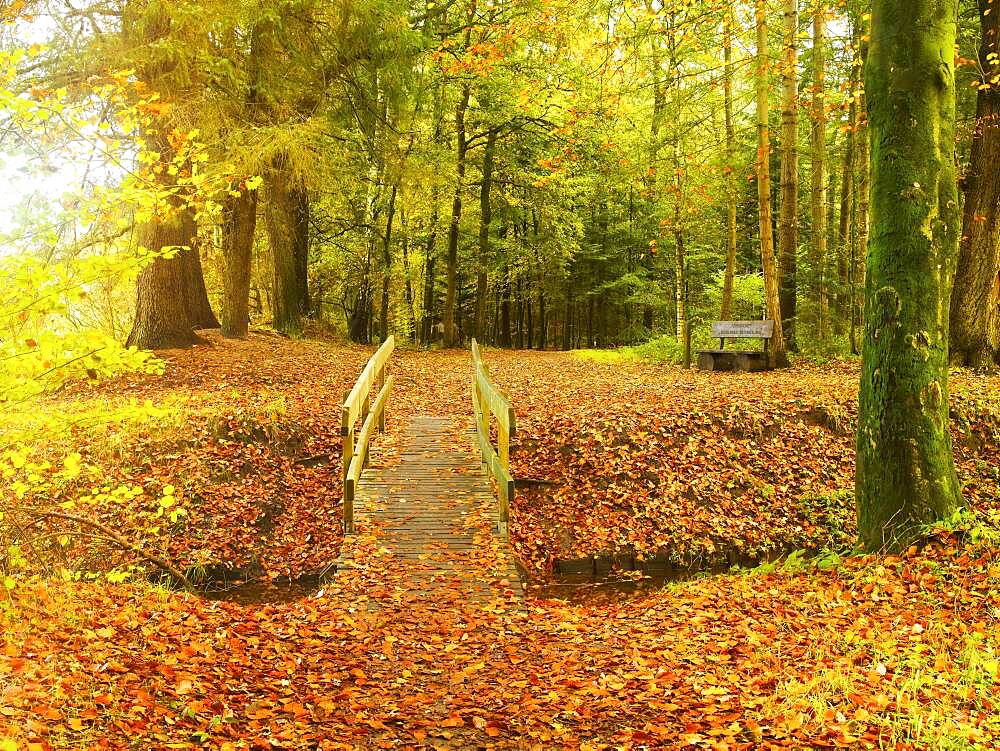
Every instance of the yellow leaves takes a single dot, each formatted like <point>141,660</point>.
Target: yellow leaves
<point>72,465</point>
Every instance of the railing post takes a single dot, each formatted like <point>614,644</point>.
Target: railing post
<point>503,445</point>
<point>348,506</point>
<point>347,434</point>
<point>381,385</point>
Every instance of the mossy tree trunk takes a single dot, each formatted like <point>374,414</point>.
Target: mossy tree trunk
<point>287,230</point>
<point>975,311</point>
<point>905,470</point>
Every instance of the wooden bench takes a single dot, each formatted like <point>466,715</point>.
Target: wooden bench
<point>734,359</point>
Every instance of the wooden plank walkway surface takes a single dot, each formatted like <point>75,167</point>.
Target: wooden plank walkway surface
<point>432,509</point>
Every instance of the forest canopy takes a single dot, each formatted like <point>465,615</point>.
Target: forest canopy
<point>536,174</point>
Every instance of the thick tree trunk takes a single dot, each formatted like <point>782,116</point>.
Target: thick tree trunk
<point>285,232</point>
<point>731,189</point>
<point>975,312</point>
<point>195,293</point>
<point>819,229</point>
<point>162,319</point>
<point>451,335</point>
<point>239,224</point>
<point>905,472</point>
<point>779,356</point>
<point>788,231</point>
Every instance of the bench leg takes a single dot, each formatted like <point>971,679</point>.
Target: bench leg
<point>706,361</point>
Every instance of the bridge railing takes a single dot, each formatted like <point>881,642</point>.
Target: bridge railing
<point>489,400</point>
<point>360,403</point>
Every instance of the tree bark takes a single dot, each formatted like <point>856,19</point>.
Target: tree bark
<point>680,256</point>
<point>975,312</point>
<point>451,338</point>
<point>285,230</point>
<point>411,319</point>
<point>427,320</point>
<point>789,224</point>
<point>861,240</point>
<point>847,196</point>
<point>162,317</point>
<point>905,471</point>
<point>819,229</point>
<point>485,219</point>
<point>731,189</point>
<point>529,323</point>
<point>195,293</point>
<point>777,351</point>
<point>390,215</point>
<point>543,323</point>
<point>300,239</point>
<point>505,335</point>
<point>239,223</point>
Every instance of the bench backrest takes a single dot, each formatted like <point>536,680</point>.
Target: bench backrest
<point>743,329</point>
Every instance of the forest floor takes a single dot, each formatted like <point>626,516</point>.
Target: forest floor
<point>836,650</point>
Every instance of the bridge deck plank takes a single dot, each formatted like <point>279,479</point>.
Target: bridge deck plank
<point>427,508</point>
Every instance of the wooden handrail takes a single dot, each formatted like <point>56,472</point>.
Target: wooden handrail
<point>488,400</point>
<point>358,403</point>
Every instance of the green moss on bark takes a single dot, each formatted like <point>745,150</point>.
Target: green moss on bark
<point>906,474</point>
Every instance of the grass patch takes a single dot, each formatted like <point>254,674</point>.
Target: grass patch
<point>664,350</point>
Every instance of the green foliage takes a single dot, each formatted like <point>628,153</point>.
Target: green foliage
<point>748,297</point>
<point>661,350</point>
<point>44,345</point>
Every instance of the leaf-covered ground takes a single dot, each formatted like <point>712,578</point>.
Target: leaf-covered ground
<point>703,468</point>
<point>864,652</point>
<point>877,653</point>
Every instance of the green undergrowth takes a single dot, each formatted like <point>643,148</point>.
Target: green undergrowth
<point>664,350</point>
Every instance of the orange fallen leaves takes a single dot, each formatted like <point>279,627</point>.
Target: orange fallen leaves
<point>733,662</point>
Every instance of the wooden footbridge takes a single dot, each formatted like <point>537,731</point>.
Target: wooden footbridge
<point>440,507</point>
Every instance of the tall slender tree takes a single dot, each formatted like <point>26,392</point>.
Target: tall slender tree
<point>731,188</point>
<point>819,196</point>
<point>788,225</point>
<point>778,353</point>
